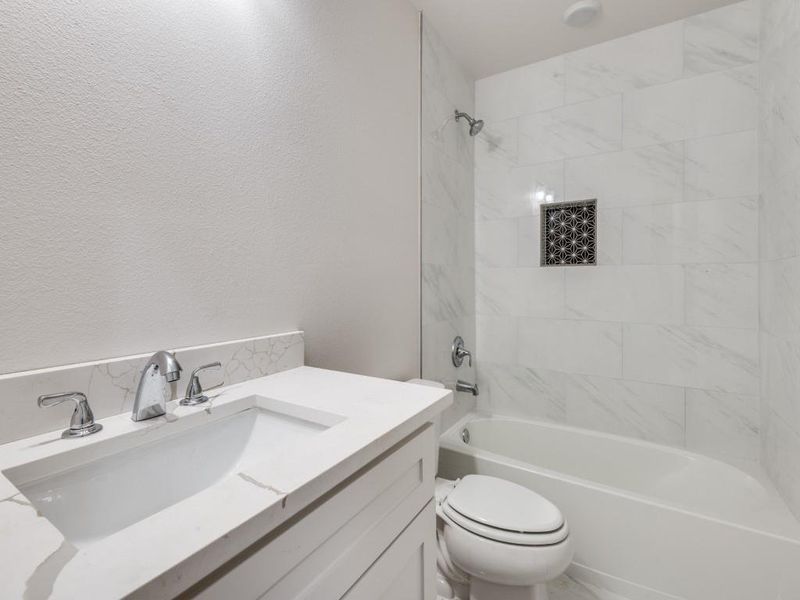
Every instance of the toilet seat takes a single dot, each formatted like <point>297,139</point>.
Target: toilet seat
<point>504,512</point>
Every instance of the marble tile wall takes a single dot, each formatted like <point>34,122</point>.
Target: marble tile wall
<point>110,385</point>
<point>660,340</point>
<point>780,245</point>
<point>447,218</point>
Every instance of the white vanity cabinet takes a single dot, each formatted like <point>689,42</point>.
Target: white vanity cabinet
<point>371,537</point>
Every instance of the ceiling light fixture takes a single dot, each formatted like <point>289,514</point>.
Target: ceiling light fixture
<point>582,13</point>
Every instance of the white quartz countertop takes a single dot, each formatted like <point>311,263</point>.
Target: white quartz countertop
<point>165,553</point>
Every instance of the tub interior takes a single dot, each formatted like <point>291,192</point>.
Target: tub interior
<point>671,476</point>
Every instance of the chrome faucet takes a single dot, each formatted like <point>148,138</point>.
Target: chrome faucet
<point>150,400</point>
<point>463,386</point>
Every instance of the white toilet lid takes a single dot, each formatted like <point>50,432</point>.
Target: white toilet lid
<point>501,504</point>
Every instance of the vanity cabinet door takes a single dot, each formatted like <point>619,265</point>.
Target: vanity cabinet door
<point>324,551</point>
<point>407,570</point>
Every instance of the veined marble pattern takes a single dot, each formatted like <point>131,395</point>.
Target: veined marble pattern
<point>518,391</point>
<point>780,378</point>
<point>721,424</point>
<point>639,60</point>
<point>583,347</point>
<point>448,213</point>
<point>714,231</point>
<point>650,175</point>
<point>521,91</point>
<point>671,310</point>
<point>705,105</point>
<point>710,358</point>
<point>780,309</point>
<point>722,38</point>
<point>722,295</point>
<point>641,410</point>
<point>724,166</point>
<point>780,447</point>
<point>497,338</point>
<point>111,385</point>
<point>647,294</point>
<point>575,130</point>
<point>504,190</point>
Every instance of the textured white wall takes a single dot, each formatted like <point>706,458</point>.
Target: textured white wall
<point>180,172</point>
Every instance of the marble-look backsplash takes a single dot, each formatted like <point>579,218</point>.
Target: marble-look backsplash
<point>660,340</point>
<point>780,245</point>
<point>110,385</point>
<point>447,218</point>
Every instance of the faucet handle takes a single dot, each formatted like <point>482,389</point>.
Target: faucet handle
<point>82,421</point>
<point>194,391</point>
<point>458,352</point>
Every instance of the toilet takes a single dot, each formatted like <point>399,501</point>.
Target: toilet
<point>502,540</point>
<point>497,540</point>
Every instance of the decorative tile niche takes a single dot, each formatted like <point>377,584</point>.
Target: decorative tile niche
<point>569,234</point>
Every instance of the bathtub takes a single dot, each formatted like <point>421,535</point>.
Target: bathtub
<point>649,522</point>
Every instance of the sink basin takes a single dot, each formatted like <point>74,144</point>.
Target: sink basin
<point>90,500</point>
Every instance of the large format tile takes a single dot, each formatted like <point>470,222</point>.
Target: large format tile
<point>523,91</point>
<point>642,410</point>
<point>634,61</point>
<point>724,166</point>
<point>632,293</point>
<point>722,295</point>
<point>609,236</point>
<point>722,38</point>
<point>780,449</point>
<point>780,377</point>
<point>650,175</point>
<point>445,182</point>
<point>701,106</point>
<point>699,357</point>
<point>722,424</point>
<point>584,347</point>
<point>443,297</point>
<point>510,191</point>
<point>533,292</point>
<point>496,339</point>
<point>575,130</point>
<point>692,232</point>
<point>496,243</point>
<point>442,71</point>
<point>440,128</point>
<point>780,297</point>
<point>517,391</point>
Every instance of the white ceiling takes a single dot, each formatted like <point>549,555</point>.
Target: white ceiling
<point>490,36</point>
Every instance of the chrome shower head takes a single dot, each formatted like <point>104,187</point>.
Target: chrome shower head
<point>475,125</point>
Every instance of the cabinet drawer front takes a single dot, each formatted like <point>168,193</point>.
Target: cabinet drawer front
<point>322,551</point>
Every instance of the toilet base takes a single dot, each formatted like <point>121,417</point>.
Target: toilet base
<point>485,590</point>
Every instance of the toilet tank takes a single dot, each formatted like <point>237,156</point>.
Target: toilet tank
<point>437,422</point>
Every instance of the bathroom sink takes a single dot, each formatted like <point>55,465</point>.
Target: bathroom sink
<point>91,499</point>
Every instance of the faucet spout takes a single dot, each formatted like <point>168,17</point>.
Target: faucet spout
<point>150,401</point>
<point>463,386</point>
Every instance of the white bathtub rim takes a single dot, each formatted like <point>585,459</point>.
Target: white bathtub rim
<point>451,440</point>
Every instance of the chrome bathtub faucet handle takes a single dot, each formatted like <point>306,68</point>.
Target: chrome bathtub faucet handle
<point>458,352</point>
<point>82,422</point>
<point>194,391</point>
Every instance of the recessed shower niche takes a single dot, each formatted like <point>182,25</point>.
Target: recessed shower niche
<point>569,233</point>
